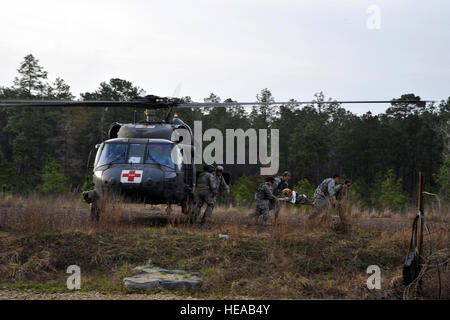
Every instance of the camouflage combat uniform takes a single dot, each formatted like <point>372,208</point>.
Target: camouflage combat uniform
<point>278,186</point>
<point>262,197</point>
<point>205,193</point>
<point>340,193</point>
<point>221,184</point>
<point>341,197</point>
<point>323,195</point>
<point>221,187</point>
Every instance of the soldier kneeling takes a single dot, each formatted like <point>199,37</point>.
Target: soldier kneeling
<point>262,197</point>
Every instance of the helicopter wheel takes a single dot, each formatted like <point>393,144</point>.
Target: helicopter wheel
<point>95,211</point>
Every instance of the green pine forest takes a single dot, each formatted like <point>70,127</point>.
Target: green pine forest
<point>45,150</point>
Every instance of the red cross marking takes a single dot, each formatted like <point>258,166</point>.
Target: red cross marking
<point>131,175</point>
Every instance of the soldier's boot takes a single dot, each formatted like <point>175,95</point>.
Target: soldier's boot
<point>250,218</point>
<point>201,220</point>
<point>266,218</point>
<point>203,217</point>
<point>196,211</point>
<point>207,213</point>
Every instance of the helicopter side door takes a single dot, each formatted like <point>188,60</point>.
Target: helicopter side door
<point>188,166</point>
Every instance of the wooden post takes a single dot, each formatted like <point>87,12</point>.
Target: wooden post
<point>420,196</point>
<point>421,221</point>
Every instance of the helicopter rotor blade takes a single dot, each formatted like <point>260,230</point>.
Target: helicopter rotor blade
<point>177,91</point>
<point>63,103</point>
<point>153,102</point>
<point>149,102</point>
<point>232,104</point>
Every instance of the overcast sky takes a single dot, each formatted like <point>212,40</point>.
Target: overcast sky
<point>235,48</point>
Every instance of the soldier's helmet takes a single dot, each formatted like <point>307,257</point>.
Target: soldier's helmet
<point>219,168</point>
<point>209,168</point>
<point>287,192</point>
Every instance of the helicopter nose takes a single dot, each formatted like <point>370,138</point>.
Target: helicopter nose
<point>153,176</point>
<point>110,182</point>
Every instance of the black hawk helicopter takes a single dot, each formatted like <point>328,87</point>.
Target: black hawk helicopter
<point>142,161</point>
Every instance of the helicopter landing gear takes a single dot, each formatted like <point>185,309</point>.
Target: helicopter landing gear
<point>95,211</point>
<point>187,207</point>
<point>91,197</point>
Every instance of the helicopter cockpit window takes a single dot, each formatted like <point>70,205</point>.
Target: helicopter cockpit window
<point>160,154</point>
<point>137,152</point>
<point>113,153</point>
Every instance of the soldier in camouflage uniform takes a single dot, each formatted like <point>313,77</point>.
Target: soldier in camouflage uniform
<point>262,197</point>
<point>278,186</point>
<point>221,184</point>
<point>341,192</point>
<point>205,192</point>
<point>324,196</point>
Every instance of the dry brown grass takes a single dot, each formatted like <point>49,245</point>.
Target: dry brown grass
<point>294,258</point>
<point>62,214</point>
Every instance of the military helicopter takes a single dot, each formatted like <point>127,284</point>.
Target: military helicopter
<point>142,161</point>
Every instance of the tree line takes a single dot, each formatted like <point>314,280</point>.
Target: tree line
<point>46,149</point>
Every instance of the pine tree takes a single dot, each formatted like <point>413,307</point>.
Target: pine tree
<point>9,178</point>
<point>53,179</point>
<point>262,116</point>
<point>33,130</point>
<point>443,179</point>
<point>59,90</point>
<point>31,75</point>
<point>117,90</point>
<point>359,194</point>
<point>391,192</point>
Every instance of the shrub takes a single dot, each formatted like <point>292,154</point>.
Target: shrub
<point>359,193</point>
<point>53,179</point>
<point>304,187</point>
<point>391,192</point>
<point>443,179</point>
<point>243,190</point>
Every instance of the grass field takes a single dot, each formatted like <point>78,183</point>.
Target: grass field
<point>295,259</point>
